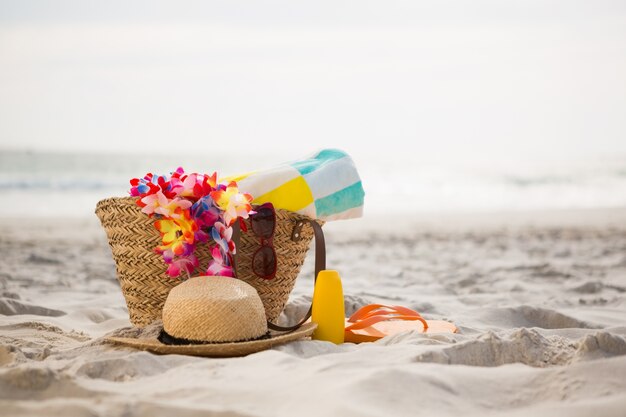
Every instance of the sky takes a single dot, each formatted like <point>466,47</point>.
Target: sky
<point>480,79</point>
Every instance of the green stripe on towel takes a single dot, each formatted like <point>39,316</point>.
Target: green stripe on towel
<point>324,157</point>
<point>342,200</point>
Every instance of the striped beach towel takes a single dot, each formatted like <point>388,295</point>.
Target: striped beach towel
<point>325,186</point>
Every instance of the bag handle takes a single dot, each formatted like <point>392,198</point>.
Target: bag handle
<point>320,265</point>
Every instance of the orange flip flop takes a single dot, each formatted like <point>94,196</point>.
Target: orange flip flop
<point>375,321</point>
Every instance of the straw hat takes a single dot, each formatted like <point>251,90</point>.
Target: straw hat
<point>214,316</point>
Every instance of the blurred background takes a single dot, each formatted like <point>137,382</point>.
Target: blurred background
<point>445,106</point>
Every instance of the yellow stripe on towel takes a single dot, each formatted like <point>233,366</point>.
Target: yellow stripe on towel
<point>236,178</point>
<point>294,195</point>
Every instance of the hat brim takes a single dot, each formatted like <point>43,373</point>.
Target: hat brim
<point>215,349</point>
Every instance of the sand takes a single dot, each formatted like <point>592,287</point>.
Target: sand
<point>540,300</point>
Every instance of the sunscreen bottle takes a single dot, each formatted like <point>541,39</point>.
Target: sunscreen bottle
<point>328,307</point>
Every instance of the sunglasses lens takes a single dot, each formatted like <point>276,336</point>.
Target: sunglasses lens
<point>264,262</point>
<point>263,222</point>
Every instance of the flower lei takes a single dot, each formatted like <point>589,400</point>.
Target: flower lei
<point>192,209</point>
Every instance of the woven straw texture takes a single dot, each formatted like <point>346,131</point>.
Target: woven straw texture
<point>141,272</point>
<point>216,349</point>
<point>214,309</point>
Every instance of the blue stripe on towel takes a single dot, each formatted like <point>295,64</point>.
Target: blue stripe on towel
<point>342,200</point>
<point>324,157</point>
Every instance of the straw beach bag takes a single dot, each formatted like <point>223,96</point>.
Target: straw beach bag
<point>142,272</point>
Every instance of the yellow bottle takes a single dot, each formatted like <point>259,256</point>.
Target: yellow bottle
<point>328,310</point>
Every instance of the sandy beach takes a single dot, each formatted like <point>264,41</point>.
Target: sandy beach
<point>478,149</point>
<point>540,300</point>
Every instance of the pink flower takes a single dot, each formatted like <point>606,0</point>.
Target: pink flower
<point>217,266</point>
<point>158,203</point>
<point>205,212</point>
<point>176,265</point>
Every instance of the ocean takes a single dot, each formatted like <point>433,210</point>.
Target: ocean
<point>57,184</point>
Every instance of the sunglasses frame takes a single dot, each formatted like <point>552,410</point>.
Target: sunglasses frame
<point>266,242</point>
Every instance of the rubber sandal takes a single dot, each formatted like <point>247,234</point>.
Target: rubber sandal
<point>375,321</point>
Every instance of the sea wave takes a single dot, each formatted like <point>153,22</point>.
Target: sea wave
<point>390,186</point>
<point>36,184</point>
